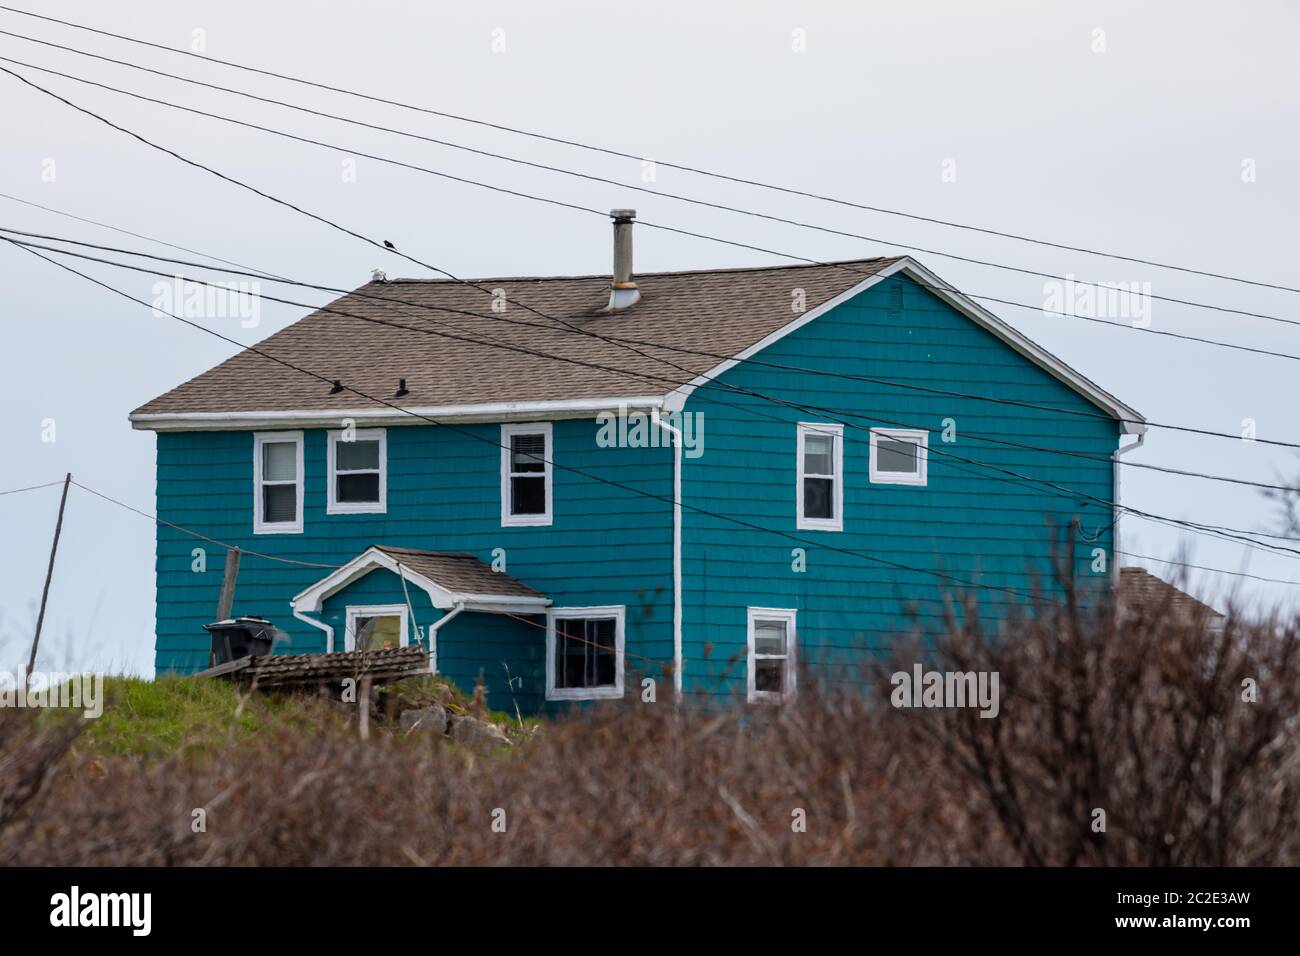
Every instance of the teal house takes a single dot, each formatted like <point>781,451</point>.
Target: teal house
<point>712,480</point>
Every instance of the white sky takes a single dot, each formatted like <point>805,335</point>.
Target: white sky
<point>1138,150</point>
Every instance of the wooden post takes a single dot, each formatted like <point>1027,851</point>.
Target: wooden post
<point>227,599</point>
<point>49,573</point>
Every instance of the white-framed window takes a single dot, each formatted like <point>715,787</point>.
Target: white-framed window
<point>374,627</point>
<point>584,653</point>
<point>819,493</point>
<point>526,474</point>
<point>772,637</point>
<point>277,482</point>
<point>358,472</point>
<point>899,456</point>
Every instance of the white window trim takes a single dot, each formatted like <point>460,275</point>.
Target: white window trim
<point>507,431</point>
<point>788,615</point>
<point>922,439</point>
<point>618,612</point>
<point>355,611</point>
<point>335,507</point>
<point>275,527</point>
<point>836,523</point>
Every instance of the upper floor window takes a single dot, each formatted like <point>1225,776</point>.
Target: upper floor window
<point>584,653</point>
<point>526,474</point>
<point>820,490</point>
<point>277,482</point>
<point>358,472</point>
<point>771,674</point>
<point>898,456</point>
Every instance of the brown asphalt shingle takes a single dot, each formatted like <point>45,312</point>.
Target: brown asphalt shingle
<point>720,312</point>
<point>461,573</point>
<point>1140,590</point>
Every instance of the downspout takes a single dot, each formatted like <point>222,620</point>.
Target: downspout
<point>677,553</point>
<point>1114,536</point>
<point>434,628</point>
<point>329,631</point>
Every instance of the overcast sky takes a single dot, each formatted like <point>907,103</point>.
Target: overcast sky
<point>1165,131</point>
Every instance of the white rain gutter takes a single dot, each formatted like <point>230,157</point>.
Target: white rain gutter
<point>432,633</point>
<point>329,631</point>
<point>1114,537</point>
<point>677,553</point>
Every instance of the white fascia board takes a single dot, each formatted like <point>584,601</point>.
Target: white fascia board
<point>449,414</point>
<point>311,599</point>
<point>1131,421</point>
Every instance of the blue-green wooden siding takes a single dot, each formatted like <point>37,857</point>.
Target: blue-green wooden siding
<point>611,546</point>
<point>606,545</point>
<point>969,522</point>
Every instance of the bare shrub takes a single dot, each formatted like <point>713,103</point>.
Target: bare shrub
<point>1144,721</point>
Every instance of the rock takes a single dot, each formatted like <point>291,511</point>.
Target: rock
<point>478,734</point>
<point>429,721</point>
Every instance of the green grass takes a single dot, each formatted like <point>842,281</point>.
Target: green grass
<point>198,718</point>
<point>183,716</point>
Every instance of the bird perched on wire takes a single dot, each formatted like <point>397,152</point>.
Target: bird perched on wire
<point>390,245</point>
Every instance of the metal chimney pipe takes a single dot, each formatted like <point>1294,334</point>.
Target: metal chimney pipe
<point>623,293</point>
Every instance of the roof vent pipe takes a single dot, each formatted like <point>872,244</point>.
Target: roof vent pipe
<point>623,293</point>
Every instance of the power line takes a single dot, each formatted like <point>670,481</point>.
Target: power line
<point>1038,309</point>
<point>249,270</point>
<point>1069,279</point>
<point>1235,534</point>
<point>392,300</point>
<point>196,534</point>
<point>666,164</point>
<point>432,267</point>
<point>1202,567</point>
<point>351,232</point>
<point>554,464</point>
<point>48,484</point>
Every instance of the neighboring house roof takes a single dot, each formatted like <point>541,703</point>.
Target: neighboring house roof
<point>482,374</point>
<point>449,578</point>
<point>1140,591</point>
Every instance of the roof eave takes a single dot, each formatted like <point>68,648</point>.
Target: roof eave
<point>556,409</point>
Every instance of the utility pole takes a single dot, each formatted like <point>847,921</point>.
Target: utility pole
<point>49,573</point>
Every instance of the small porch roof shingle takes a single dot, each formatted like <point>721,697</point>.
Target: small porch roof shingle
<point>450,579</point>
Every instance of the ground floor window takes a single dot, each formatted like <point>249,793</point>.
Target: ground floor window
<point>584,653</point>
<point>376,627</point>
<point>771,653</point>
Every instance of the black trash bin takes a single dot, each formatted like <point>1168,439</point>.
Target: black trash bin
<point>240,637</point>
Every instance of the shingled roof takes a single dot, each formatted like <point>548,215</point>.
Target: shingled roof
<point>1142,592</point>
<point>461,573</point>
<point>720,312</point>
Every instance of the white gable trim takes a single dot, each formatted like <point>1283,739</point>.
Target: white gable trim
<point>313,598</point>
<point>1131,421</point>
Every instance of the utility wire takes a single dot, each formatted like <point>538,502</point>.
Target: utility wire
<point>48,484</point>
<point>1235,534</point>
<point>247,270</point>
<point>664,163</point>
<point>389,248</point>
<point>554,464</point>
<point>1038,309</point>
<point>392,300</point>
<point>1069,279</point>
